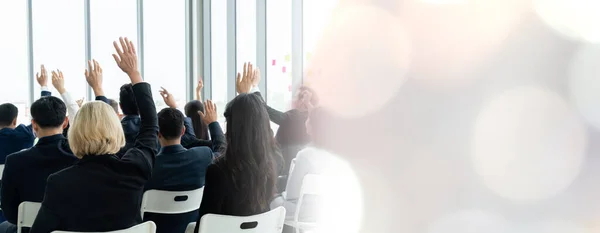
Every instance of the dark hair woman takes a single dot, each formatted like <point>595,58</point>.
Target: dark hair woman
<point>191,111</point>
<point>242,182</point>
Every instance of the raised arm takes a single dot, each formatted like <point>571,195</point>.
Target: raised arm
<point>42,79</point>
<point>145,147</point>
<point>216,133</point>
<point>58,81</point>
<point>249,80</point>
<point>93,76</point>
<point>199,89</point>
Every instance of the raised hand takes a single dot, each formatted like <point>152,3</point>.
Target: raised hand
<point>256,79</point>
<point>42,78</point>
<point>199,89</point>
<point>210,112</point>
<point>93,76</point>
<point>80,102</point>
<point>168,98</point>
<point>58,81</point>
<point>245,81</point>
<point>306,98</point>
<point>127,60</point>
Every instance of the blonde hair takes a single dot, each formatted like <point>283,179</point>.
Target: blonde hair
<point>96,130</point>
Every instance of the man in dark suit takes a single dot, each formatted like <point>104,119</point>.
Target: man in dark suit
<point>180,169</point>
<point>25,172</point>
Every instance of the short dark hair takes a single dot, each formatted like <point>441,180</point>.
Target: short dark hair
<point>170,123</point>
<point>114,104</point>
<point>49,112</point>
<point>8,113</point>
<point>127,100</point>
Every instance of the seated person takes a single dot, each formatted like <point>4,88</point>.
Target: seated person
<point>242,181</point>
<point>180,169</point>
<point>25,172</point>
<point>192,109</point>
<point>15,137</point>
<point>102,192</point>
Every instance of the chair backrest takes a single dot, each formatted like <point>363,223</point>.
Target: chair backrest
<point>269,222</point>
<point>145,227</point>
<point>190,227</point>
<point>27,213</point>
<point>1,170</point>
<point>167,202</point>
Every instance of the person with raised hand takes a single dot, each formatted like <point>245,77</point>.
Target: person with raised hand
<point>103,192</point>
<point>191,110</point>
<point>15,137</point>
<point>189,139</point>
<point>177,168</point>
<point>199,87</point>
<point>291,134</point>
<point>58,81</point>
<point>93,76</point>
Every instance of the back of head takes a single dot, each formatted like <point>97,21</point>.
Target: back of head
<point>127,100</point>
<point>191,111</point>
<point>96,130</point>
<point>8,114</point>
<point>170,123</point>
<point>49,112</point>
<point>250,150</point>
<point>115,105</point>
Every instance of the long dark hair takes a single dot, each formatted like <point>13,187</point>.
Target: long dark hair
<point>250,152</point>
<point>191,111</point>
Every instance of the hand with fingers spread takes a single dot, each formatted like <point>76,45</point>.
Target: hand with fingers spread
<point>245,81</point>
<point>199,89</point>
<point>168,98</point>
<point>80,102</point>
<point>210,112</point>
<point>256,79</point>
<point>58,81</point>
<point>93,76</point>
<point>42,77</point>
<point>127,60</point>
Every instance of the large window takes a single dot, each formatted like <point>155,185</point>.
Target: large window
<point>108,23</point>
<point>59,42</point>
<point>164,49</point>
<point>317,15</point>
<point>219,56</point>
<point>279,54</point>
<point>245,32</point>
<point>14,81</point>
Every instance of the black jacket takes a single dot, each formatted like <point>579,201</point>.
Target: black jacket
<point>180,169</point>
<point>25,172</point>
<point>221,195</point>
<point>102,192</point>
<point>131,128</point>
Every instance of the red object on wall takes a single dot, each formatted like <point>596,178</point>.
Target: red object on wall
<point>274,62</point>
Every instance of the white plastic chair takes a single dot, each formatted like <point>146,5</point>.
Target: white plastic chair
<point>145,227</point>
<point>312,184</point>
<point>167,202</point>
<point>1,170</point>
<point>269,222</point>
<point>27,213</point>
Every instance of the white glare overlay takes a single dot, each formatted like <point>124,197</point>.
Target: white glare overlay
<point>363,50</point>
<point>342,187</point>
<point>470,221</point>
<point>584,83</point>
<point>528,144</point>
<point>577,19</point>
<point>555,226</point>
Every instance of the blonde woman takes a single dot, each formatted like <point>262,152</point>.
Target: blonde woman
<point>102,192</point>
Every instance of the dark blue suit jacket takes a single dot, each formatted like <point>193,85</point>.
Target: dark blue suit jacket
<point>179,169</point>
<point>25,172</point>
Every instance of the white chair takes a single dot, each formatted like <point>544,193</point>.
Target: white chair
<point>167,202</point>
<point>269,222</point>
<point>1,170</point>
<point>312,184</point>
<point>27,213</point>
<point>145,227</point>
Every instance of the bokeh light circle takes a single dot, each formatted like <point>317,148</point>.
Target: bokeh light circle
<point>576,19</point>
<point>360,60</point>
<point>528,144</point>
<point>584,83</point>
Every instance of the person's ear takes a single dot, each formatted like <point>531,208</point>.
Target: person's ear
<point>65,123</point>
<point>14,122</point>
<point>34,126</point>
<point>183,131</point>
<point>160,135</point>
